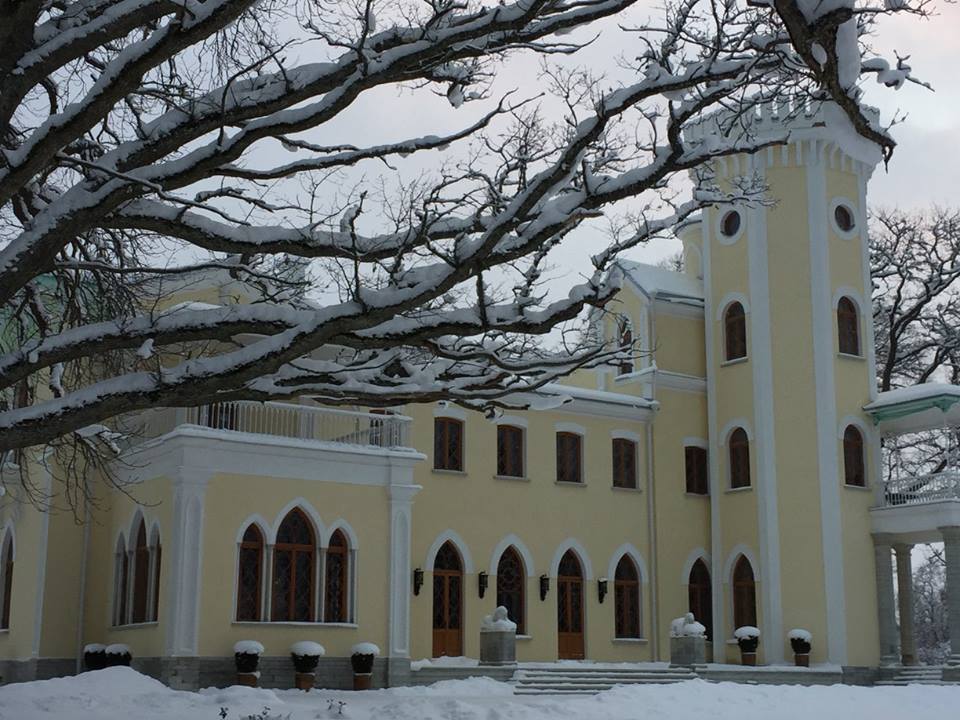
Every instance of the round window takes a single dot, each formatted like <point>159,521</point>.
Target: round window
<point>730,224</point>
<point>844,218</point>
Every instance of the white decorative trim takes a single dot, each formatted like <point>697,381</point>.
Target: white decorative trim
<point>311,512</point>
<point>727,300</point>
<point>761,349</point>
<point>258,520</point>
<point>512,540</point>
<point>824,343</point>
<point>581,552</point>
<point>852,207</point>
<point>625,435</point>
<point>444,409</point>
<point>854,295</point>
<point>634,554</point>
<point>695,554</point>
<point>700,442</point>
<point>680,381</point>
<point>856,422</point>
<point>511,420</point>
<point>747,552</point>
<point>570,428</point>
<point>341,524</point>
<point>186,567</point>
<point>461,545</point>
<point>718,231</point>
<point>733,425</point>
<point>665,306</point>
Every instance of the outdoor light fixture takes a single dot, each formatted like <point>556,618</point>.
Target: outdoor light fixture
<point>417,580</point>
<point>484,580</point>
<point>602,588</point>
<point>544,587</point>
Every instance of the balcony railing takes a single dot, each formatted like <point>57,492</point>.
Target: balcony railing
<point>922,489</point>
<point>301,422</point>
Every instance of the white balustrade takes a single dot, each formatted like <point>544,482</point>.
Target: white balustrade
<point>922,489</point>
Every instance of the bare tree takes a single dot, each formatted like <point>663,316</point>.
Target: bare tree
<point>139,144</point>
<point>930,616</point>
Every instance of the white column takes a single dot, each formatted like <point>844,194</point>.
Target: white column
<point>951,551</point>
<point>908,652</point>
<point>186,539</point>
<point>401,504</point>
<point>889,651</point>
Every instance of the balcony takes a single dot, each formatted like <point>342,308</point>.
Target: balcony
<point>923,489</point>
<point>314,425</point>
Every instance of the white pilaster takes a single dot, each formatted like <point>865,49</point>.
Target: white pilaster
<point>761,360</point>
<point>887,621</point>
<point>186,540</point>
<point>826,404</point>
<point>908,650</point>
<point>401,492</point>
<point>951,552</point>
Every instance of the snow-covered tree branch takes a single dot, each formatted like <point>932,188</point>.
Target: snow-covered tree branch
<point>141,145</point>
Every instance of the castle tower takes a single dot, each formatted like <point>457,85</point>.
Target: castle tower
<point>790,364</point>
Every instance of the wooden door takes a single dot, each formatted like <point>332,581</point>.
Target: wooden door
<point>570,608</point>
<point>447,602</point>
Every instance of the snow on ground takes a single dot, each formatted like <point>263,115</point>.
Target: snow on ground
<point>122,694</point>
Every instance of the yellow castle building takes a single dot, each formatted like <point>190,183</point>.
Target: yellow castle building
<point>731,470</point>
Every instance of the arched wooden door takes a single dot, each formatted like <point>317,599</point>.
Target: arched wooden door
<point>570,608</point>
<point>447,602</point>
<point>700,596</point>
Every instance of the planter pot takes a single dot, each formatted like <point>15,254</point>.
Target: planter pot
<point>96,660</point>
<point>748,658</point>
<point>801,659</point>
<point>362,663</point>
<point>304,680</point>
<point>362,681</point>
<point>246,662</point>
<point>248,679</point>
<point>118,659</point>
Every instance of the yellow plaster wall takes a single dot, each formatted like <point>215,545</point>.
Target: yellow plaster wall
<point>18,641</point>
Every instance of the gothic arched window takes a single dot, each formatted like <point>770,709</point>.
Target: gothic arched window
<point>626,599</point>
<point>249,569</point>
<point>335,605</point>
<point>141,575</point>
<point>744,594</point>
<point>511,582</point>
<point>293,570</point>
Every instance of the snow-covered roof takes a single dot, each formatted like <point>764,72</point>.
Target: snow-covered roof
<point>663,284</point>
<point>596,402</point>
<point>914,408</point>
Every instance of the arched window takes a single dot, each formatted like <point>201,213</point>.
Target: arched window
<point>700,596</point>
<point>626,341</point>
<point>141,575</point>
<point>569,457</point>
<point>293,570</point>
<point>156,551</point>
<point>447,444</point>
<point>249,568</point>
<point>739,447</point>
<point>570,645</point>
<point>848,327</point>
<point>121,576</point>
<point>626,599</point>
<point>735,331</point>
<point>511,582</point>
<point>744,594</point>
<point>447,602</point>
<point>6,567</point>
<point>854,470</point>
<point>335,601</point>
<point>509,451</point>
<point>624,463</point>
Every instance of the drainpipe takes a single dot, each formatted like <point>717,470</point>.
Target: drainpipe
<point>652,529</point>
<point>82,599</point>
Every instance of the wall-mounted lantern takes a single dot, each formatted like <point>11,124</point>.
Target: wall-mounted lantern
<point>544,586</point>
<point>601,589</point>
<point>417,580</point>
<point>484,581</point>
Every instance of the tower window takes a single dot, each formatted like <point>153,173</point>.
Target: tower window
<point>844,218</point>
<point>626,341</point>
<point>695,462</point>
<point>730,223</point>
<point>735,332</point>
<point>739,446</point>
<point>848,327</point>
<point>854,471</point>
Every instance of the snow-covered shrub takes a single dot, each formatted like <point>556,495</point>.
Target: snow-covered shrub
<point>306,655</point>
<point>362,656</point>
<point>118,654</point>
<point>499,621</point>
<point>95,656</point>
<point>748,638</point>
<point>800,640</point>
<point>246,655</point>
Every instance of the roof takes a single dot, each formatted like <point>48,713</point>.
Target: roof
<point>662,284</point>
<point>914,408</point>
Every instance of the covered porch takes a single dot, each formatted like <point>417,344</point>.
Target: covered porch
<point>917,501</point>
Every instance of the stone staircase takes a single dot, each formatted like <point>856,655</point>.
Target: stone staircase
<point>916,675</point>
<point>574,679</point>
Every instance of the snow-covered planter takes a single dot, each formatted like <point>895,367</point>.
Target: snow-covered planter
<point>246,657</point>
<point>688,642</point>
<point>117,655</point>
<point>748,638</point>
<point>95,656</point>
<point>362,656</point>
<point>498,639</point>
<point>801,641</point>
<point>306,656</point>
